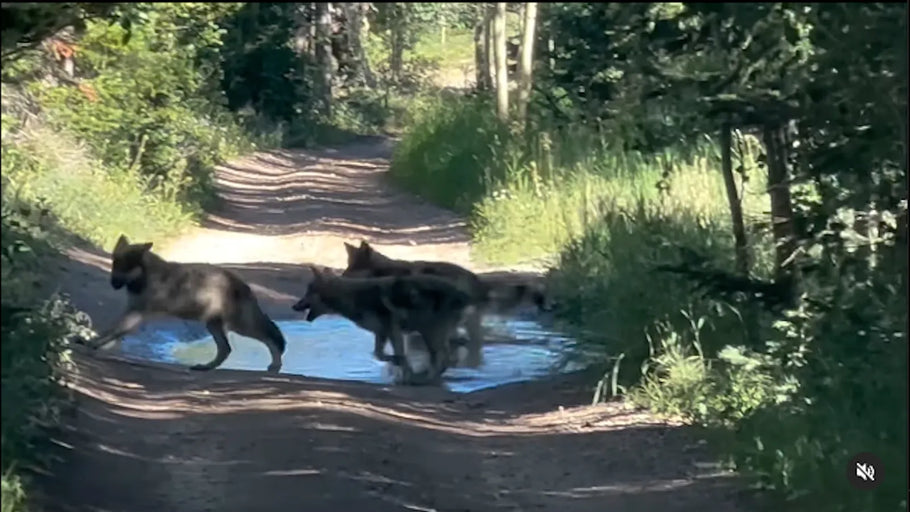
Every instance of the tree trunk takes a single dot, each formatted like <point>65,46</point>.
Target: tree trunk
<point>324,58</point>
<point>481,69</point>
<point>303,34</point>
<point>488,43</point>
<point>526,61</point>
<point>736,211</point>
<point>355,12</point>
<point>499,51</point>
<point>775,140</point>
<point>741,247</point>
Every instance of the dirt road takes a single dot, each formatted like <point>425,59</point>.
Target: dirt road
<point>157,438</point>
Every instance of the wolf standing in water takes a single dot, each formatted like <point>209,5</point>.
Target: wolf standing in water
<point>190,291</point>
<point>389,307</point>
<point>487,295</point>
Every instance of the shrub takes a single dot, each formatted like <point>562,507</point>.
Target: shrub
<point>453,153</point>
<point>33,349</point>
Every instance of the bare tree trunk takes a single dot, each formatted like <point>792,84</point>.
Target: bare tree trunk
<point>526,61</point>
<point>775,140</point>
<point>302,35</point>
<point>743,256</point>
<point>736,211</point>
<point>502,71</point>
<point>488,44</point>
<point>396,41</point>
<point>324,58</point>
<point>355,12</point>
<point>481,70</point>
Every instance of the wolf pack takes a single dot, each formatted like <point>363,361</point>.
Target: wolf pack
<point>411,304</point>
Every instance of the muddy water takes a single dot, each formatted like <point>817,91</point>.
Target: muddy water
<point>335,348</point>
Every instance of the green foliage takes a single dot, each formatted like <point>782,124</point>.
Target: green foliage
<point>608,286</point>
<point>631,93</point>
<point>26,24</point>
<point>46,168</point>
<point>261,69</point>
<point>33,349</point>
<point>453,152</point>
<point>140,105</point>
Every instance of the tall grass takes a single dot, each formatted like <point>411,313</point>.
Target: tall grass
<point>47,168</point>
<point>453,153</point>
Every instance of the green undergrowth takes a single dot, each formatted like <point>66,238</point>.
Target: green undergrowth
<point>34,351</point>
<point>50,170</point>
<point>788,397</point>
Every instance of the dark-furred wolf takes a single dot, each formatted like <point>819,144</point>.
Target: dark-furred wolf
<point>390,307</point>
<point>190,291</point>
<point>487,295</point>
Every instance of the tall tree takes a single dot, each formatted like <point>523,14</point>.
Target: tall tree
<point>355,14</point>
<point>499,51</point>
<point>324,58</point>
<point>397,27</point>
<point>305,29</point>
<point>488,42</point>
<point>526,62</point>
<point>481,51</point>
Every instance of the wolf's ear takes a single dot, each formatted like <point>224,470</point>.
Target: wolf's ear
<point>350,249</point>
<point>146,246</point>
<point>122,243</point>
<point>317,276</point>
<point>365,246</point>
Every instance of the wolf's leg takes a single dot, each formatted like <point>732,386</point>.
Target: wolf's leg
<point>399,359</point>
<point>474,326</point>
<point>436,339</point>
<point>216,329</point>
<point>446,332</point>
<point>130,320</point>
<point>379,342</point>
<point>259,326</point>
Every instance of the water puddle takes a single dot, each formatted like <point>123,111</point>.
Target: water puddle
<point>334,348</point>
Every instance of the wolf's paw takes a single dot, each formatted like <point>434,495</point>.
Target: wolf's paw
<point>201,367</point>
<point>400,374</point>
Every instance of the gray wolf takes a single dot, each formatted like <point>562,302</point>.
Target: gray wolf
<point>190,291</point>
<point>487,295</point>
<point>389,307</point>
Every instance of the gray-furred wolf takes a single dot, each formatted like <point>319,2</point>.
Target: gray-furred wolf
<point>190,291</point>
<point>389,307</point>
<point>487,295</point>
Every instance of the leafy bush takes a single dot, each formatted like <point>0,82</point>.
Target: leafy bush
<point>33,349</point>
<point>147,102</point>
<point>48,169</point>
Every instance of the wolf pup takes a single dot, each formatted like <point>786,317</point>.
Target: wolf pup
<point>389,307</point>
<point>487,295</point>
<point>190,291</point>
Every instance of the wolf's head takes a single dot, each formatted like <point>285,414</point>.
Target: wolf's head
<point>311,302</point>
<point>359,258</point>
<point>127,263</point>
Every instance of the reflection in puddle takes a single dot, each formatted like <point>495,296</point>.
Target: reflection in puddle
<point>334,348</point>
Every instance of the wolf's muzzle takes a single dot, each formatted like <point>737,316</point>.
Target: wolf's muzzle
<point>302,306</point>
